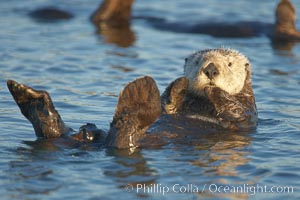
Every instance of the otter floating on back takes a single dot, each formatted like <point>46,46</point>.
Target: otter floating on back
<point>216,86</point>
<point>215,93</point>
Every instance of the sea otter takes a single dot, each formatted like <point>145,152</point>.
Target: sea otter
<point>117,12</point>
<point>216,87</point>
<point>215,94</point>
<point>284,28</point>
<point>113,17</point>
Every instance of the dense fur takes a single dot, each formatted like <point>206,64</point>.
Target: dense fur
<point>231,66</point>
<point>285,28</point>
<point>219,90</point>
<point>211,96</point>
<point>138,107</point>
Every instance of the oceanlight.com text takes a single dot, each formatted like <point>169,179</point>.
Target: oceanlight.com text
<point>211,188</point>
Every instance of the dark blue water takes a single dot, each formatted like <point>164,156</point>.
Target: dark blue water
<point>84,76</point>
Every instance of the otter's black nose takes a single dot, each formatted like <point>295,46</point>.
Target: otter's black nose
<point>211,71</point>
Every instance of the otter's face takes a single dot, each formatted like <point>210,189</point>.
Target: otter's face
<point>223,68</point>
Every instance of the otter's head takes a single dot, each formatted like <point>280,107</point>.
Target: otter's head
<point>223,68</point>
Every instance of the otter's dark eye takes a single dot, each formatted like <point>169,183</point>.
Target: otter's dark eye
<point>229,64</point>
<point>197,62</point>
<point>247,64</point>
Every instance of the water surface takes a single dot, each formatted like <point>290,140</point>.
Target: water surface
<point>84,75</point>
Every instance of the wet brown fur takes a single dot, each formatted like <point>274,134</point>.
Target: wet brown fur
<point>229,111</point>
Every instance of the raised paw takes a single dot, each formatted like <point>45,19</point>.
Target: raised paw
<point>138,107</point>
<point>22,93</point>
<point>141,98</point>
<point>173,97</point>
<point>38,108</point>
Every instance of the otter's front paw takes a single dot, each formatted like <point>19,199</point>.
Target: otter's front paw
<point>213,92</point>
<point>173,97</point>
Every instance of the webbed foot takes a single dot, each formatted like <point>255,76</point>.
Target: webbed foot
<point>138,107</point>
<point>232,112</point>
<point>38,108</point>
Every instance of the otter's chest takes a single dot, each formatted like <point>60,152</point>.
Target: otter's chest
<point>179,129</point>
<point>198,108</point>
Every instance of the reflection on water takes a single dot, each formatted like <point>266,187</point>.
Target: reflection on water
<point>221,155</point>
<point>226,155</point>
<point>130,168</point>
<point>112,20</point>
<point>284,48</point>
<point>27,175</point>
<point>121,36</point>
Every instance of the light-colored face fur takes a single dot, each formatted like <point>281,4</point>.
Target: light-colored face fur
<point>231,70</point>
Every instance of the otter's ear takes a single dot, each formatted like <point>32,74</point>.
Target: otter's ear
<point>247,66</point>
<point>185,60</point>
<point>248,70</point>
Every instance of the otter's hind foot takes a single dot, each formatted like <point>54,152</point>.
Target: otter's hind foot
<point>38,108</point>
<point>138,107</point>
